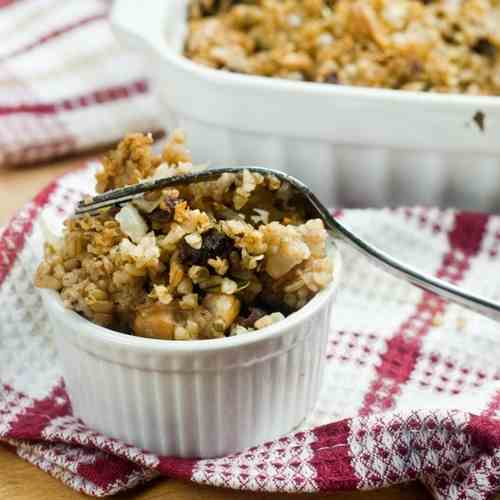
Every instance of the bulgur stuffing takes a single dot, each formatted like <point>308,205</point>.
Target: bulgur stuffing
<point>420,45</point>
<point>203,261</point>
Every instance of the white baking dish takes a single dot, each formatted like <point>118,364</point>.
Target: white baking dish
<point>353,146</point>
<point>200,398</point>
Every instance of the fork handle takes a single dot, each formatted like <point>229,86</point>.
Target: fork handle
<point>403,271</point>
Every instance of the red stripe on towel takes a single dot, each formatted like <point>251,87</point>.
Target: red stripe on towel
<point>15,234</point>
<point>403,349</point>
<point>53,34</point>
<point>97,97</point>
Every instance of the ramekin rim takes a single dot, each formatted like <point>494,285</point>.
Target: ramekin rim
<point>483,103</point>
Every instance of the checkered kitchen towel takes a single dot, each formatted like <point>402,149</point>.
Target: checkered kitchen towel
<point>411,390</point>
<point>65,83</point>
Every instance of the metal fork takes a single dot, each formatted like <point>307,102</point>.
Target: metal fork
<point>338,229</point>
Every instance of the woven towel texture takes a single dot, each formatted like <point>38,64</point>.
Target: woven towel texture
<point>412,385</point>
<point>65,83</point>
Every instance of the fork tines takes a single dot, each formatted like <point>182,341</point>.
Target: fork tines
<point>119,196</point>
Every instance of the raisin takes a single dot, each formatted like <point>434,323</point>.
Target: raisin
<point>165,214</point>
<point>254,314</point>
<point>214,244</point>
<point>214,7</point>
<point>161,216</point>
<point>485,48</point>
<point>112,211</point>
<point>332,78</point>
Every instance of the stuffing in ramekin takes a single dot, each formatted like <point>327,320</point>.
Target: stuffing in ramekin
<point>203,261</point>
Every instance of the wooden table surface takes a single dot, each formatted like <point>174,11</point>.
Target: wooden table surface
<point>22,481</point>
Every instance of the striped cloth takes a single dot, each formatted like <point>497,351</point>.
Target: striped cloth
<point>65,83</point>
<point>411,387</point>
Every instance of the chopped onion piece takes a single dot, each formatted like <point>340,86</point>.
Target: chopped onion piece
<point>131,223</point>
<point>147,206</point>
<point>162,171</point>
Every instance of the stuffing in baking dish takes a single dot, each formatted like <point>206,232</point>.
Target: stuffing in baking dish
<point>202,261</point>
<point>420,45</point>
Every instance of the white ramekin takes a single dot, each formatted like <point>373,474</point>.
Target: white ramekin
<point>202,398</point>
<point>353,146</point>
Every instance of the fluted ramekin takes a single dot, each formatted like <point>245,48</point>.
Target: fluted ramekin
<point>201,398</point>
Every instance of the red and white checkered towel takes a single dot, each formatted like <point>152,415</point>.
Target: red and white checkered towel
<point>65,83</point>
<point>412,385</point>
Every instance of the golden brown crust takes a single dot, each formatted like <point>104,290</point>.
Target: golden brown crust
<point>130,162</point>
<point>439,45</point>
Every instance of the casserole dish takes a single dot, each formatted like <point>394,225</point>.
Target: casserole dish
<point>198,398</point>
<point>352,145</point>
